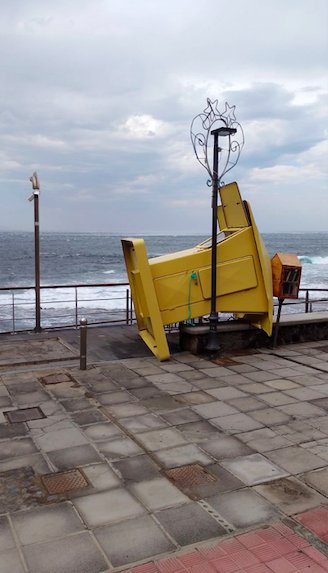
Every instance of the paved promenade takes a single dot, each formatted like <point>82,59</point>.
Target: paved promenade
<point>133,465</point>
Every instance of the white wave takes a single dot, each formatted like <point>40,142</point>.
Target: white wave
<point>305,259</point>
<point>108,272</point>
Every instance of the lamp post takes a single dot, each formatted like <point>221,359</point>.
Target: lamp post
<point>35,198</point>
<point>201,128</point>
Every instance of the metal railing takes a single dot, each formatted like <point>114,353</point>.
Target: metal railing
<point>17,306</point>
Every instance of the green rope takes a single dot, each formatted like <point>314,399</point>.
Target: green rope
<point>192,277</point>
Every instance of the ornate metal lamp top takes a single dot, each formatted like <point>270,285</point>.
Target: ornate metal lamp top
<point>201,127</point>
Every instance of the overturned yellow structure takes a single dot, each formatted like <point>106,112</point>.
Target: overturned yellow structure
<point>177,287</point>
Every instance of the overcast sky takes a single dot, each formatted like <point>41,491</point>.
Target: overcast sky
<point>97,96</point>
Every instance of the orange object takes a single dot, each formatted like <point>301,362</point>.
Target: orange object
<point>286,275</point>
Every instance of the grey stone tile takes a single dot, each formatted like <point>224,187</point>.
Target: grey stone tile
<point>147,392</point>
<point>295,460</point>
<point>120,397</point>
<point>277,398</point>
<point>67,390</point>
<point>159,439</point>
<point>281,384</point>
<point>176,367</point>
<point>274,442</point>
<point>319,448</point>
<point>165,378</point>
<point>143,423</point>
<point>243,368</point>
<point>102,432</point>
<point>88,417</point>
<point>270,416</point>
<point>236,423</point>
<point>61,439</point>
<point>243,508</point>
<point>126,410</point>
<point>191,375</point>
<point>107,507</point>
<point>162,404</point>
<point>305,394</point>
<point>246,404</point>
<point>261,375</point>
<point>195,398</point>
<point>256,388</point>
<point>214,410</point>
<point>75,554</point>
<point>10,562</point>
<point>225,447</point>
<point>45,523</point>
<point>178,417</point>
<point>158,493</point>
<point>35,461</point>
<point>226,393</point>
<point>253,469</point>
<point>76,404</point>
<point>182,456</point>
<point>215,371</point>
<point>199,431</point>
<point>72,457</point>
<point>101,385</point>
<point>318,480</point>
<point>302,410</point>
<point>19,447</point>
<point>137,469</point>
<point>133,540</point>
<point>205,383</point>
<point>321,403</point>
<point>101,477</point>
<point>12,431</point>
<point>189,524</point>
<point>290,495</point>
<point>119,448</point>
<point>6,537</point>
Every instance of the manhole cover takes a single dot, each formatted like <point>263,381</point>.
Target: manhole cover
<point>187,476</point>
<point>56,378</point>
<point>24,415</point>
<point>62,482</point>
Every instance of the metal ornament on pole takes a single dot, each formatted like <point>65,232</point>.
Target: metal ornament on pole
<point>201,128</point>
<point>35,197</point>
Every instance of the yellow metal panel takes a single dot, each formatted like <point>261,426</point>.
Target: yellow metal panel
<point>232,276</point>
<point>232,206</point>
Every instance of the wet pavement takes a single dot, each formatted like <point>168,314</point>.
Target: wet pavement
<point>192,465</point>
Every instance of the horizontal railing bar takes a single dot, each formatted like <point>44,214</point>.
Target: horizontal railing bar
<point>84,285</point>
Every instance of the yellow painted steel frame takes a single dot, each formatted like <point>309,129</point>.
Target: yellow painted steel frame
<point>174,287</point>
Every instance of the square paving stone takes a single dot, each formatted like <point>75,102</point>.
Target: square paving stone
<point>253,469</point>
<point>236,423</point>
<point>224,447</point>
<point>133,540</point>
<point>120,397</point>
<point>296,460</point>
<point>107,507</point>
<point>160,439</point>
<point>87,417</point>
<point>243,508</point>
<point>137,469</point>
<point>102,432</point>
<point>302,410</point>
<point>45,523</point>
<point>16,430</point>
<point>10,562</point>
<point>281,384</point>
<point>6,536</point>
<point>290,495</point>
<point>246,404</point>
<point>24,415</point>
<point>189,524</point>
<point>270,416</point>
<point>199,431</point>
<point>162,404</point>
<point>143,423</point>
<point>179,417</point>
<point>214,410</point>
<point>16,448</point>
<point>147,392</point>
<point>181,456</point>
<point>321,403</point>
<point>101,477</point>
<point>126,410</point>
<point>76,404</point>
<point>226,393</point>
<point>69,458</point>
<point>195,398</point>
<point>277,398</point>
<point>75,554</point>
<point>119,448</point>
<point>158,493</point>
<point>318,480</point>
<point>61,439</point>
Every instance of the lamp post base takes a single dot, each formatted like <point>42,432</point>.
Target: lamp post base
<point>213,335</point>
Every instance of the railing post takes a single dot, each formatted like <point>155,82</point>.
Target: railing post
<point>13,305</point>
<point>131,308</point>
<point>127,306</point>
<point>83,343</point>
<point>76,308</point>
<point>307,301</point>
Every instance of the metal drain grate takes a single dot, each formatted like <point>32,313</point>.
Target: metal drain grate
<point>62,482</point>
<point>24,415</point>
<point>56,378</point>
<point>187,476</point>
<point>228,527</point>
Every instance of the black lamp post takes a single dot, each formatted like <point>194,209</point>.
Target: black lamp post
<point>201,128</point>
<point>35,198</point>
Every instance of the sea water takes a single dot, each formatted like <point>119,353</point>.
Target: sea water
<point>78,258</point>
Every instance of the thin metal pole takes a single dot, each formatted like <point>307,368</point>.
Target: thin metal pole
<point>213,343</point>
<point>127,304</point>
<point>83,343</point>
<point>13,305</point>
<point>276,329</point>
<point>37,263</point>
<point>307,301</point>
<point>76,308</point>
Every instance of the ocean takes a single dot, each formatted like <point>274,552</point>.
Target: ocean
<point>77,258</point>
